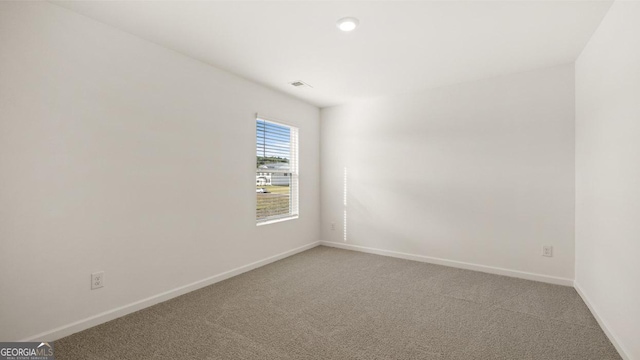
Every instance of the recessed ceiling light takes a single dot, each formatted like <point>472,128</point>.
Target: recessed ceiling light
<point>347,24</point>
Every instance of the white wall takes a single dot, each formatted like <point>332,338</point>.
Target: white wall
<point>608,174</point>
<point>481,172</point>
<point>119,155</point>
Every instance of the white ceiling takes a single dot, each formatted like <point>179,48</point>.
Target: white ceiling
<point>399,46</point>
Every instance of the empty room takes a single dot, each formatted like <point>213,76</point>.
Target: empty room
<point>320,180</point>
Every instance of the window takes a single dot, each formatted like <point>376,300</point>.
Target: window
<point>276,171</point>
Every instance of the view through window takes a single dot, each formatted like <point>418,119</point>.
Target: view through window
<point>276,171</point>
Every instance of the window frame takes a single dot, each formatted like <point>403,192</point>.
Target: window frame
<point>293,172</point>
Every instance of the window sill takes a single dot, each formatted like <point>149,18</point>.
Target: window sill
<point>267,222</point>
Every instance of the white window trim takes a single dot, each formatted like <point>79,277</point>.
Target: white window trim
<point>273,221</point>
<point>294,170</point>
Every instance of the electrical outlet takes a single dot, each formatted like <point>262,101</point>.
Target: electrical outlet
<point>547,250</point>
<point>97,280</point>
<point>333,226</point>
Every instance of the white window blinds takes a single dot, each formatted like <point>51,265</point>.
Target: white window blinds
<point>276,171</point>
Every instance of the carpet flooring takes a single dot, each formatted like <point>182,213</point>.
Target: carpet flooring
<point>328,303</point>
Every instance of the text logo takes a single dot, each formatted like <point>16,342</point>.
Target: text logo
<point>26,351</point>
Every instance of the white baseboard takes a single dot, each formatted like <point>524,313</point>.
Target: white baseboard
<point>101,318</point>
<point>607,330</point>
<point>453,263</point>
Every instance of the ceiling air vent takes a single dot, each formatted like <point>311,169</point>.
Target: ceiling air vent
<point>300,83</point>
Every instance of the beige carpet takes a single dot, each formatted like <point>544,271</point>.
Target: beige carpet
<point>327,303</point>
